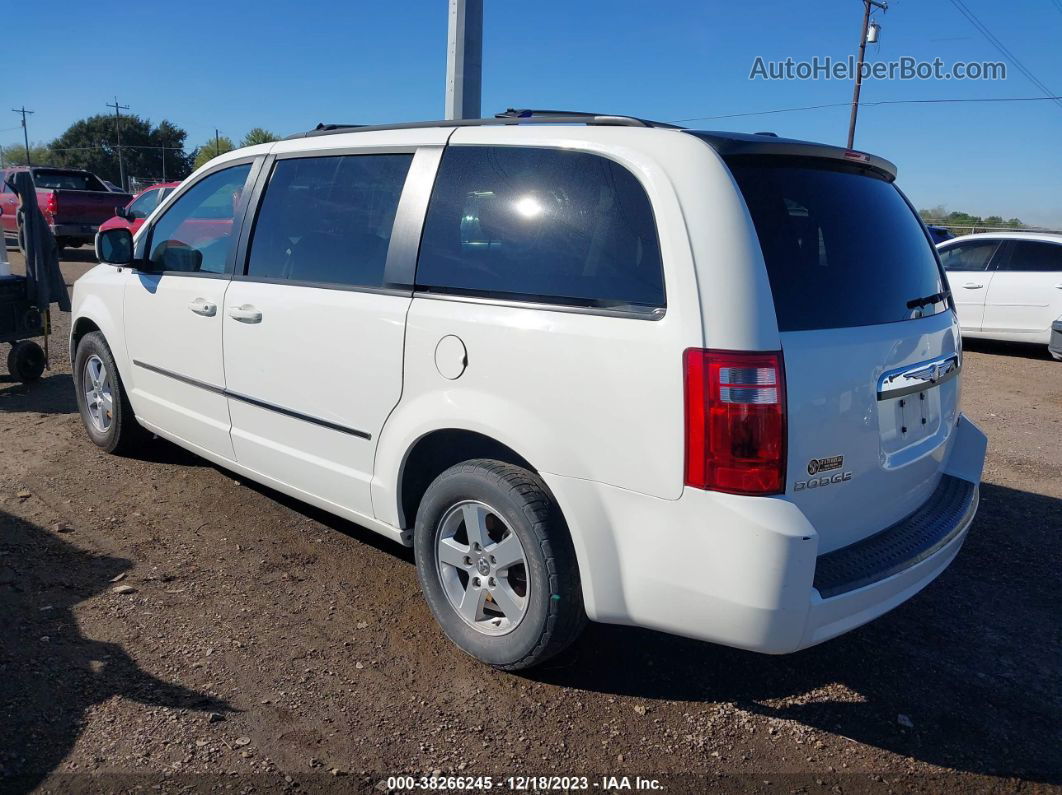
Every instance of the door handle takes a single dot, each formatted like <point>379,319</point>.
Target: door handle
<point>1058,286</point>
<point>973,286</point>
<point>245,314</point>
<point>201,306</point>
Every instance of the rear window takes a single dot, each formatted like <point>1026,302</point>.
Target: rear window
<point>65,180</point>
<point>842,246</point>
<point>544,225</point>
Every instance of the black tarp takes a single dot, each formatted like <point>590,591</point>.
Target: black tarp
<point>44,280</point>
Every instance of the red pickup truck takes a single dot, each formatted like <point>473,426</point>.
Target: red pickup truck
<point>74,203</point>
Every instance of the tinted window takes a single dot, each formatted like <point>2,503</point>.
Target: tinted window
<point>67,180</point>
<point>540,224</point>
<point>195,233</point>
<point>842,248</point>
<point>973,256</point>
<point>142,207</point>
<point>328,220</point>
<point>1029,255</point>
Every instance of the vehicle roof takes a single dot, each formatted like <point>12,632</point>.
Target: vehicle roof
<point>49,168</point>
<point>725,143</point>
<point>1049,237</point>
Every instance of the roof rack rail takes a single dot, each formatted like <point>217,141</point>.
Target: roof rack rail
<point>576,116</point>
<point>510,116</point>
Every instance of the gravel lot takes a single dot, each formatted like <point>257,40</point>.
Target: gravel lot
<point>267,645</point>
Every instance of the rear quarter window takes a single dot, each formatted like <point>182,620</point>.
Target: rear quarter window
<point>543,225</point>
<point>842,246</point>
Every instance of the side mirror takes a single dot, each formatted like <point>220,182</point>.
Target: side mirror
<point>121,212</point>
<point>114,246</point>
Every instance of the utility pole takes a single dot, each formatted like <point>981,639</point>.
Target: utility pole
<point>464,59</point>
<point>164,162</point>
<point>25,132</point>
<point>118,135</point>
<point>883,5</point>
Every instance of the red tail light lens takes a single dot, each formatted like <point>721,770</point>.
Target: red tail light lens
<point>51,205</point>
<point>735,421</point>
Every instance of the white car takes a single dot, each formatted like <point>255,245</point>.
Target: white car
<point>587,366</point>
<point>1006,285</point>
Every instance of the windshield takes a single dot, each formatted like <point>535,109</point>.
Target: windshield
<point>68,180</point>
<point>843,247</point>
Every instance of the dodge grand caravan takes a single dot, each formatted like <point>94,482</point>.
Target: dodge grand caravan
<point>586,366</point>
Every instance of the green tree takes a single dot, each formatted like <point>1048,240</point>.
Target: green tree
<point>259,135</point>
<point>91,144</point>
<point>15,155</point>
<point>212,149</point>
<point>940,214</point>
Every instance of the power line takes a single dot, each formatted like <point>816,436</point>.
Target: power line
<point>984,31</point>
<point>869,104</point>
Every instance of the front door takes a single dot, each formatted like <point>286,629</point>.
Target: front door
<point>314,328</point>
<point>967,265</point>
<point>1026,292</point>
<point>173,312</point>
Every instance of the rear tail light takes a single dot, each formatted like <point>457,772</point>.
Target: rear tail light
<point>51,206</point>
<point>735,421</point>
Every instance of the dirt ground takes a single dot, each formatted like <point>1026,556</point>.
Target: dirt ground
<point>267,645</point>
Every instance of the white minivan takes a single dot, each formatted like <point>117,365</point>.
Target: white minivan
<point>587,366</point>
<point>1007,285</point>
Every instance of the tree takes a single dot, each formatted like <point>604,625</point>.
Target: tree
<point>259,135</point>
<point>940,214</point>
<point>212,149</point>
<point>15,155</point>
<point>91,144</point>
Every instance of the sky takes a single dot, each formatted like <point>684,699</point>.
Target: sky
<point>288,66</point>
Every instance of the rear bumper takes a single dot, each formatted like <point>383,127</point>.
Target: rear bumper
<point>745,572</point>
<point>79,232</point>
<point>1055,345</point>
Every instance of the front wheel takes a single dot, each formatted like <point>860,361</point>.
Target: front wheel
<point>496,564</point>
<point>101,398</point>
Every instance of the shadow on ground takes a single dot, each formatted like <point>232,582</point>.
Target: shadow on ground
<point>52,394</point>
<point>52,674</point>
<point>1023,350</point>
<point>983,694</point>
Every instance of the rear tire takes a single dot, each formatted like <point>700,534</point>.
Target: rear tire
<point>513,598</point>
<point>25,361</point>
<point>101,398</point>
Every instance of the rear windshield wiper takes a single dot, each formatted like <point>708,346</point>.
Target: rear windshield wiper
<point>929,300</point>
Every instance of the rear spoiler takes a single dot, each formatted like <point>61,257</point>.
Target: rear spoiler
<point>729,144</point>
